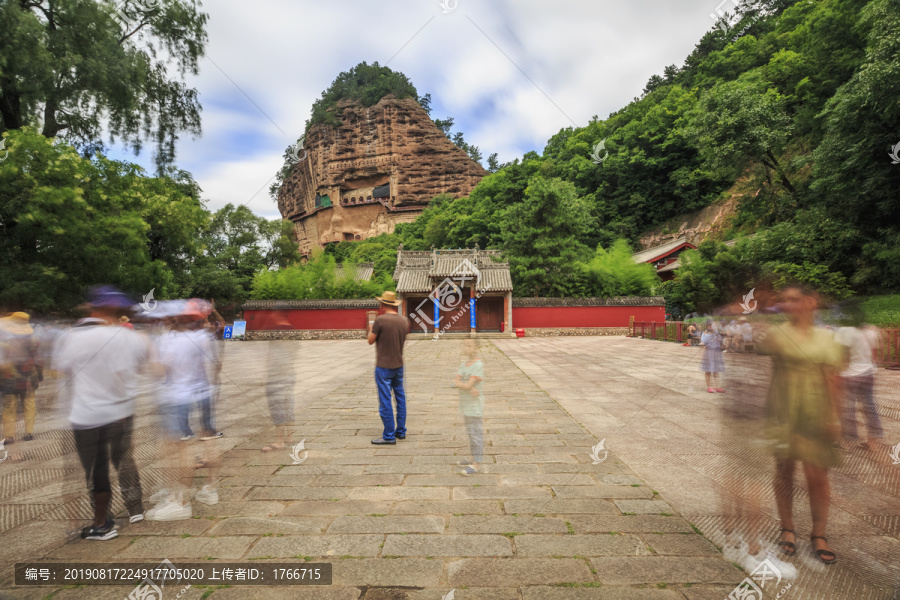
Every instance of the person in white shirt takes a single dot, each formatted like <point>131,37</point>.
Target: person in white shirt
<point>98,361</point>
<point>185,354</point>
<point>859,382</point>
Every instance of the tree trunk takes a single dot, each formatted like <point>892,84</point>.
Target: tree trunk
<point>781,174</point>
<point>10,105</point>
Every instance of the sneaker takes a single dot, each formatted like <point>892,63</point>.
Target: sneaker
<point>212,435</point>
<point>207,495</point>
<point>187,438</point>
<point>106,531</point>
<point>468,471</point>
<point>170,510</point>
<point>160,496</point>
<point>136,518</point>
<point>384,442</point>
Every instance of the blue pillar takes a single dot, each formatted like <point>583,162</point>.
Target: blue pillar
<point>472,313</point>
<point>437,315</point>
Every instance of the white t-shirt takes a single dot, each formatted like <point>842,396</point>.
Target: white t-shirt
<point>860,342</point>
<point>101,365</point>
<point>185,355</point>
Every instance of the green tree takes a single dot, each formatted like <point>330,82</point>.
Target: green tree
<point>82,69</point>
<point>540,236</point>
<point>614,273</point>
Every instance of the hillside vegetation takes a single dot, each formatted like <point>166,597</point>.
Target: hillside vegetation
<point>798,99</point>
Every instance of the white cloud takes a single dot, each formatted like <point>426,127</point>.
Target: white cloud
<point>590,58</point>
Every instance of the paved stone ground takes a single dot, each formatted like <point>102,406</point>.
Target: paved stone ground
<point>540,522</point>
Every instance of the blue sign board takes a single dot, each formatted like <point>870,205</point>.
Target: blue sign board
<point>240,328</point>
<point>227,334</point>
<point>472,313</point>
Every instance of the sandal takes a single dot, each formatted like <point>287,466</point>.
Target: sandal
<point>788,548</point>
<point>826,556</point>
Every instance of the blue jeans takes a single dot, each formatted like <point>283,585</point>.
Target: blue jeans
<point>387,380</point>
<point>860,392</point>
<point>184,412</point>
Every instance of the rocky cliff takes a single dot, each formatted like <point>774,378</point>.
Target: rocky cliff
<point>378,168</point>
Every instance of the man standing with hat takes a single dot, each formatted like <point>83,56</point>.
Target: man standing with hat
<point>388,332</point>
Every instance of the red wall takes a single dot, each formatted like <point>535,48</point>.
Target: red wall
<point>585,316</point>
<point>330,318</point>
<point>355,318</point>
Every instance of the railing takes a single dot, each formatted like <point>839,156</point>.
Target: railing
<point>667,331</point>
<point>887,356</point>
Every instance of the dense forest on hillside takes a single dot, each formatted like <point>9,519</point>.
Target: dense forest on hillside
<point>795,107</point>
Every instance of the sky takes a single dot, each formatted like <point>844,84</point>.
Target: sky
<point>512,73</point>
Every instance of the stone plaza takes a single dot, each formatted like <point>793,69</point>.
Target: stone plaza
<point>551,515</point>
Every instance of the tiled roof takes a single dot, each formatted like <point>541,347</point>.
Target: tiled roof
<point>615,301</point>
<point>364,271</point>
<point>419,271</point>
<point>414,281</point>
<point>310,304</point>
<point>657,251</point>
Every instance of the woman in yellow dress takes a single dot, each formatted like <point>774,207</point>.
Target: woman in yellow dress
<point>802,413</point>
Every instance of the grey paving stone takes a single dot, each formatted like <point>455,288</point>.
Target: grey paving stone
<point>665,569</point>
<point>499,493</point>
<point>272,480</point>
<point>341,508</point>
<point>680,544</point>
<point>602,491</point>
<point>599,593</point>
<point>298,493</point>
<point>447,545</point>
<point>455,479</point>
<point>614,479</point>
<point>448,507</point>
<point>580,545</point>
<point>193,547</point>
<point>468,593</point>
<point>472,524</point>
<point>317,546</point>
<point>293,592</point>
<point>388,572</point>
<point>387,524</point>
<point>629,524</point>
<point>553,479</point>
<point>410,469</point>
<point>189,526</point>
<point>535,458</point>
<point>398,493</point>
<point>644,507</point>
<point>257,526</point>
<point>561,506</point>
<point>358,480</point>
<point>500,572</point>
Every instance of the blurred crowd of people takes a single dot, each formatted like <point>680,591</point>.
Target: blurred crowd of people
<point>102,363</point>
<point>800,407</point>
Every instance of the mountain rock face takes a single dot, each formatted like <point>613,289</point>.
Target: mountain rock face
<point>380,167</point>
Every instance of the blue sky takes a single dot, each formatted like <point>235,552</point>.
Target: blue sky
<point>510,72</point>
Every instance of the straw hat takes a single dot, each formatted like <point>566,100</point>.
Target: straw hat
<point>389,298</point>
<point>17,324</point>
